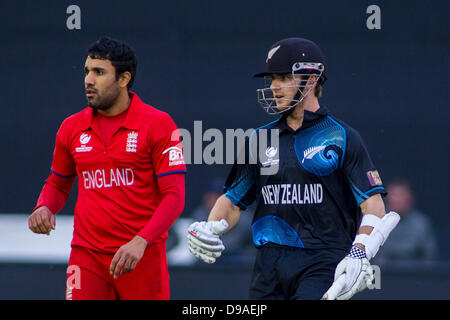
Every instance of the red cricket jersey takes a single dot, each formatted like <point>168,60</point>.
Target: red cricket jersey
<point>117,183</point>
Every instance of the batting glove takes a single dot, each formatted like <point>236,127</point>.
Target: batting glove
<point>204,239</point>
<point>358,273</point>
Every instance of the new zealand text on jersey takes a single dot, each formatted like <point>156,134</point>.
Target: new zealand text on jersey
<point>292,193</point>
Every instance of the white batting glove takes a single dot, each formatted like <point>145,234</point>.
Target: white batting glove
<point>204,239</point>
<point>358,273</point>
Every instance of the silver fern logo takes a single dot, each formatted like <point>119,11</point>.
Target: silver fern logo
<point>311,152</point>
<point>272,52</point>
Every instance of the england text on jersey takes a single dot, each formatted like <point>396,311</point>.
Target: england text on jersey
<point>101,178</point>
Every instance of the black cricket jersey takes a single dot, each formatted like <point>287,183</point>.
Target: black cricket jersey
<point>307,184</point>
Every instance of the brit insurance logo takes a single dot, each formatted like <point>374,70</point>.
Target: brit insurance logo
<point>84,140</point>
<point>175,156</point>
<point>132,142</point>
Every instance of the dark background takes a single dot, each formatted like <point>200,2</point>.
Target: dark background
<point>196,60</point>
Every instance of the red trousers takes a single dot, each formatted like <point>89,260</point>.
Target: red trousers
<point>88,276</point>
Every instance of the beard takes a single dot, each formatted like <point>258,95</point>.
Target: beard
<point>105,99</point>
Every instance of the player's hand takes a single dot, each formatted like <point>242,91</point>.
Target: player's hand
<point>204,239</point>
<point>42,221</point>
<point>127,257</point>
<point>358,273</point>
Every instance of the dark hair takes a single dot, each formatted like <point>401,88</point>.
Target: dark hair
<point>120,54</point>
<point>318,90</point>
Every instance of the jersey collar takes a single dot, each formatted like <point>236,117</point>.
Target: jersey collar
<point>309,119</point>
<point>132,120</point>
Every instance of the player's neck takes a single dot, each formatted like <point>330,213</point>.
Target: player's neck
<point>295,119</point>
<point>122,103</point>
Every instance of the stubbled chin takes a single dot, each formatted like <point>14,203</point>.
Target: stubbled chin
<point>91,102</point>
<point>92,105</point>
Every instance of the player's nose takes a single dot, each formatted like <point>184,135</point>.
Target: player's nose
<point>275,84</point>
<point>89,80</point>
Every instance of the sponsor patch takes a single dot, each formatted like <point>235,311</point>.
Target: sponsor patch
<point>175,156</point>
<point>374,178</point>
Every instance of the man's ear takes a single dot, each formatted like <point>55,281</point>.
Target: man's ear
<point>312,81</point>
<point>124,79</point>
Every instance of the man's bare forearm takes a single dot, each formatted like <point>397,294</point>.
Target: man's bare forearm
<point>225,209</point>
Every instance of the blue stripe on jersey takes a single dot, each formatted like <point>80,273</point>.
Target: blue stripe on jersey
<point>373,189</point>
<point>358,194</point>
<point>275,230</point>
<point>254,131</point>
<point>362,196</point>
<point>171,172</point>
<point>233,199</point>
<point>239,191</point>
<point>60,175</point>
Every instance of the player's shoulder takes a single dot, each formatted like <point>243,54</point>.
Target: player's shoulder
<point>76,120</point>
<point>154,114</point>
<point>78,116</point>
<point>156,121</point>
<point>266,126</point>
<point>255,131</point>
<point>150,114</point>
<point>255,136</point>
<point>354,142</point>
<point>269,125</point>
<point>350,131</point>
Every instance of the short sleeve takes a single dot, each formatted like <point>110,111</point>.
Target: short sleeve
<point>240,185</point>
<point>63,164</point>
<point>166,148</point>
<point>359,169</point>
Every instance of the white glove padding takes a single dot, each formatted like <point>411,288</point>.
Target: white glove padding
<point>358,273</point>
<point>204,239</point>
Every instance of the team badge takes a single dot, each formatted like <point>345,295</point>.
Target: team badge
<point>132,142</point>
<point>272,52</point>
<point>311,152</point>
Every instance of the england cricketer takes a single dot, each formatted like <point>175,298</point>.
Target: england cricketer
<point>320,216</point>
<point>130,183</point>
